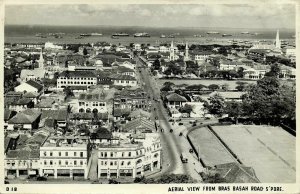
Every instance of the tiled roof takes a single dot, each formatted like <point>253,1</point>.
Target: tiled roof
<point>139,113</point>
<point>77,74</point>
<point>78,87</point>
<point>23,154</point>
<point>59,115</point>
<point>34,84</point>
<point>139,125</point>
<point>7,114</point>
<point>30,95</point>
<point>176,98</point>
<point>92,97</point>
<point>237,173</point>
<point>25,117</point>
<point>45,103</point>
<point>23,101</point>
<point>122,69</point>
<point>121,112</point>
<point>122,77</point>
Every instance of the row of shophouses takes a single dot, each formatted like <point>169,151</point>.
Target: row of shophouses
<point>117,155</point>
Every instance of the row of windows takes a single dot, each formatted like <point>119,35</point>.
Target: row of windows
<point>78,78</point>
<point>65,163</point>
<point>123,154</point>
<point>65,154</point>
<point>115,163</point>
<point>122,81</point>
<point>94,104</point>
<point>63,82</point>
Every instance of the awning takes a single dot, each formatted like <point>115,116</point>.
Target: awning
<point>32,172</point>
<point>78,170</point>
<point>49,171</point>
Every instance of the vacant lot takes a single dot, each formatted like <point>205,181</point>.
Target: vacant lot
<point>212,151</point>
<point>269,150</point>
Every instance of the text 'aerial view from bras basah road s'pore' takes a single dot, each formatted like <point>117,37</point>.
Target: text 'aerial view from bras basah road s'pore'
<point>149,93</point>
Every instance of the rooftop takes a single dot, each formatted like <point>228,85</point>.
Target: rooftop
<point>77,74</point>
<point>176,98</point>
<point>25,117</point>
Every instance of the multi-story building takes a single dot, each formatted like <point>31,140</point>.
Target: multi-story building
<point>132,99</point>
<point>123,158</point>
<point>64,156</point>
<point>92,103</point>
<point>124,80</point>
<point>76,78</point>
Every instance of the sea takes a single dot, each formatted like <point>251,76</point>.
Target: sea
<point>27,34</point>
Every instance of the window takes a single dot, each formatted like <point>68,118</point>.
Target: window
<point>45,162</point>
<point>81,154</point>
<point>105,154</point>
<point>122,163</point>
<point>45,153</point>
<point>105,163</point>
<point>111,154</point>
<point>59,162</point>
<point>137,153</point>
<point>111,163</point>
<point>51,162</point>
<point>101,154</point>
<point>75,153</point>
<point>66,162</point>
<point>75,162</point>
<point>81,163</point>
<point>59,153</point>
<point>129,154</point>
<point>128,163</point>
<point>51,153</point>
<point>66,153</point>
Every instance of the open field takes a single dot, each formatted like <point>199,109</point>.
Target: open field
<point>212,151</point>
<point>269,150</point>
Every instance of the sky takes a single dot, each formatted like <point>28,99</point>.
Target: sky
<point>155,15</point>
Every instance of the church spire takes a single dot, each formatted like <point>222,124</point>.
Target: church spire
<point>277,42</point>
<point>186,56</point>
<point>41,60</point>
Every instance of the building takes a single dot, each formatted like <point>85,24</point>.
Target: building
<point>123,80</point>
<point>76,78</point>
<point>175,100</point>
<point>24,121</point>
<point>256,72</point>
<point>123,158</point>
<point>172,52</point>
<point>230,65</point>
<point>64,157</point>
<point>30,86</point>
<point>92,103</point>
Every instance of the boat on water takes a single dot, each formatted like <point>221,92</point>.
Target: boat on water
<point>245,33</point>
<point>255,34</point>
<point>96,34</point>
<point>225,35</point>
<point>57,36</point>
<point>120,34</point>
<point>171,36</point>
<point>79,37</point>
<point>114,37</point>
<point>197,35</point>
<point>38,34</point>
<point>163,36</point>
<point>85,35</point>
<point>212,32</point>
<point>142,34</point>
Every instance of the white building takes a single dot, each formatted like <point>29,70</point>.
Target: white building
<point>29,86</point>
<point>123,158</point>
<point>64,156</point>
<point>124,80</point>
<point>76,78</point>
<point>50,45</point>
<point>92,103</point>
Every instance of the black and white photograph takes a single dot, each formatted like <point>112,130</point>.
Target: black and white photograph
<point>153,93</point>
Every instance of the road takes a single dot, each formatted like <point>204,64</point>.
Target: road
<point>172,144</point>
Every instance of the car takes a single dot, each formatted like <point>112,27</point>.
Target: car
<point>191,150</point>
<point>180,134</point>
<point>41,178</point>
<point>180,124</point>
<point>171,130</point>
<point>154,108</point>
<point>194,124</point>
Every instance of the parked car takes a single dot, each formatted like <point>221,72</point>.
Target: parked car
<point>171,130</point>
<point>180,134</point>
<point>191,150</point>
<point>180,124</point>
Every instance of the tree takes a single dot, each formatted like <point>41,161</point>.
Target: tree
<point>213,87</point>
<point>240,72</point>
<point>68,92</point>
<point>156,64</point>
<point>216,105</point>
<point>241,85</point>
<point>84,51</point>
<point>274,72</point>
<point>186,109</point>
<point>225,87</point>
<point>233,109</point>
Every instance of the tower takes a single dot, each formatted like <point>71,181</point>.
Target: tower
<point>41,60</point>
<point>186,55</point>
<point>277,41</point>
<point>172,52</point>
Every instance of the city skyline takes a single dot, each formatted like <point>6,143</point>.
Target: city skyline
<point>155,15</point>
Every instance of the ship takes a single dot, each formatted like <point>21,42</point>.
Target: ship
<point>79,37</point>
<point>120,34</point>
<point>224,35</point>
<point>171,36</point>
<point>85,35</point>
<point>197,35</point>
<point>114,37</point>
<point>244,32</point>
<point>143,34</point>
<point>212,32</point>
<point>162,36</point>
<point>38,34</point>
<point>96,34</point>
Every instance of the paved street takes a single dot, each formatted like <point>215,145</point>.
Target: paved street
<point>172,144</point>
